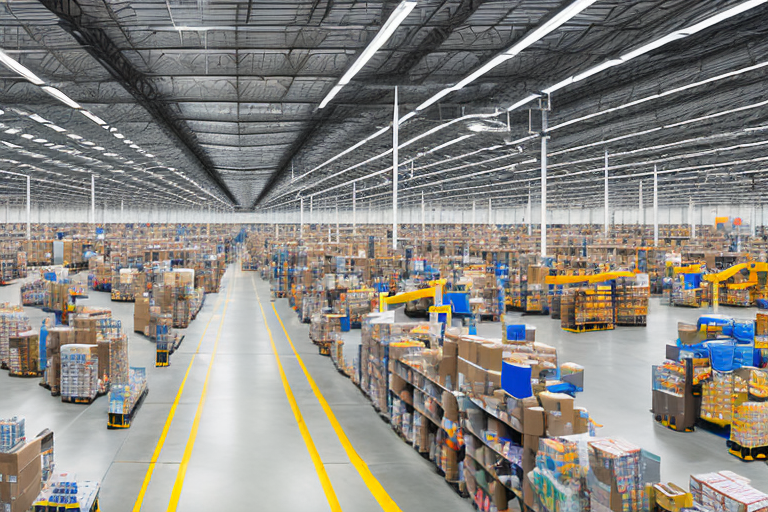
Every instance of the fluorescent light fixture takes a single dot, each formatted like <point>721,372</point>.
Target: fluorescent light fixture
<point>714,20</point>
<point>395,19</point>
<point>55,128</point>
<point>93,117</point>
<point>406,117</point>
<point>523,101</point>
<point>61,97</point>
<point>499,59</point>
<point>27,136</point>
<point>16,67</point>
<point>110,154</point>
<point>12,131</point>
<point>119,135</point>
<point>87,143</point>
<point>74,136</point>
<point>434,99</point>
<point>331,95</point>
<point>674,36</point>
<point>40,141</point>
<point>39,119</point>
<point>649,47</point>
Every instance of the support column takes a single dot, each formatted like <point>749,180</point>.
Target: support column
<point>641,208</point>
<point>29,212</point>
<point>529,214</point>
<point>473,213</point>
<point>544,138</point>
<point>691,222</point>
<point>122,217</point>
<point>423,219</point>
<point>337,221</point>
<point>605,193</point>
<point>395,143</point>
<point>301,216</point>
<point>354,207</point>
<point>311,218</point>
<point>655,207</point>
<point>753,221</point>
<point>490,211</point>
<point>93,199</point>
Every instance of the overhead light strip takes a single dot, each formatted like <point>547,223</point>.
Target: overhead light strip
<point>647,48</point>
<point>395,19</point>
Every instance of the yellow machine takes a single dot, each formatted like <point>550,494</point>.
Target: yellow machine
<point>594,278</point>
<point>434,291</point>
<point>754,267</point>
<point>669,498</point>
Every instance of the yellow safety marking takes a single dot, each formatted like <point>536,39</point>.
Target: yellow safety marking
<point>330,494</point>
<point>182,472</point>
<point>377,490</point>
<point>169,419</point>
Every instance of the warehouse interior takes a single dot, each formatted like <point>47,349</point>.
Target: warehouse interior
<point>401,255</point>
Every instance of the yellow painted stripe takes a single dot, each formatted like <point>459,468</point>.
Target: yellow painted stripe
<point>182,472</point>
<point>377,490</point>
<point>330,494</point>
<point>169,420</point>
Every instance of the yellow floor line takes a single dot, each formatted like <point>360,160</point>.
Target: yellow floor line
<point>182,472</point>
<point>169,419</point>
<point>377,490</point>
<point>325,481</point>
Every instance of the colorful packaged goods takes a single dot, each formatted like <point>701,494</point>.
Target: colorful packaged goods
<point>717,398</point>
<point>12,322</point>
<point>79,373</point>
<point>727,492</point>
<point>12,433</point>
<point>749,428</point>
<point>24,358</point>
<point>615,476</point>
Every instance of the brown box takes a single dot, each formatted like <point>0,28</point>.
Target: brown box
<point>533,421</point>
<point>580,420</point>
<point>21,473</point>
<point>490,356</point>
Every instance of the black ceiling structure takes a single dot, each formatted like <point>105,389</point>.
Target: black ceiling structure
<point>208,103</point>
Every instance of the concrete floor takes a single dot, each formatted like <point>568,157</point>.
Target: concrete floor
<point>248,447</point>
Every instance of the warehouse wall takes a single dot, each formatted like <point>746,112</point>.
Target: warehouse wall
<point>704,215</point>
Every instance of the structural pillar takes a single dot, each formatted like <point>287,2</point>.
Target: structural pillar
<point>473,213</point>
<point>605,193</point>
<point>641,207</point>
<point>490,211</point>
<point>301,216</point>
<point>544,138</point>
<point>122,217</point>
<point>655,207</point>
<point>529,214</point>
<point>423,220</point>
<point>395,143</point>
<point>354,207</point>
<point>337,221</point>
<point>691,222</point>
<point>29,212</point>
<point>93,199</point>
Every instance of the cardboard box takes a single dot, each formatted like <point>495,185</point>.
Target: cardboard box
<point>490,356</point>
<point>580,420</point>
<point>557,402</point>
<point>533,421</point>
<point>21,473</point>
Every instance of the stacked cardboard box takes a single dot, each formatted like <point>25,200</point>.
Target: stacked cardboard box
<point>22,477</point>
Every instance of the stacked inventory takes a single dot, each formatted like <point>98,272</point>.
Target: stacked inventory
<point>57,337</point>
<point>13,321</point>
<point>12,433</point>
<point>12,266</point>
<point>24,360</point>
<point>79,373</point>
<point>33,293</point>
<point>587,309</point>
<point>125,396</point>
<point>632,304</point>
<point>726,492</point>
<point>615,476</point>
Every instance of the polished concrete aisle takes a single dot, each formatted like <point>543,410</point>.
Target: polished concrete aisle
<point>242,446</point>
